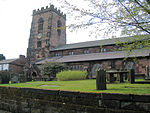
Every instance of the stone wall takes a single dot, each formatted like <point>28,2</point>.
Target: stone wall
<point>25,100</point>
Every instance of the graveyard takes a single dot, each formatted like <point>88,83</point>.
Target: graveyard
<point>114,91</point>
<point>86,86</point>
<point>112,81</point>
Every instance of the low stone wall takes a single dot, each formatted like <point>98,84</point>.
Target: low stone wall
<point>26,100</point>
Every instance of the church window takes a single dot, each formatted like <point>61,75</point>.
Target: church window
<point>59,24</point>
<point>40,25</point>
<point>103,50</point>
<point>112,64</point>
<point>38,56</point>
<point>39,44</point>
<point>57,54</point>
<point>86,51</point>
<point>47,41</point>
<point>71,53</point>
<point>49,34</point>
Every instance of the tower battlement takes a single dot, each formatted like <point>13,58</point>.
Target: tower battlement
<point>49,8</point>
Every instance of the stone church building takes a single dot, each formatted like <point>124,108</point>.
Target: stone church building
<point>47,43</point>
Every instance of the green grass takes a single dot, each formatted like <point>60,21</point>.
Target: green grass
<point>86,86</point>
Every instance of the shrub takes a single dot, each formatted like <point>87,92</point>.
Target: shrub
<point>71,75</point>
<point>4,77</point>
<point>51,68</point>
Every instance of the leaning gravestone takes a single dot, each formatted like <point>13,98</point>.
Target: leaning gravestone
<point>101,79</point>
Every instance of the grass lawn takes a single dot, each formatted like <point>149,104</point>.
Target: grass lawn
<point>86,86</point>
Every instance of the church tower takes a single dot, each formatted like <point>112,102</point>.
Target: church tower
<point>48,30</point>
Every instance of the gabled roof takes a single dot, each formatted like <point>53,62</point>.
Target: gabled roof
<point>101,42</point>
<point>7,61</point>
<point>97,56</point>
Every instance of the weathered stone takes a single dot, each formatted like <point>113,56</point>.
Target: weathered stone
<point>132,76</point>
<point>101,80</point>
<point>1,111</point>
<point>109,96</point>
<point>115,104</point>
<point>33,110</point>
<point>137,106</point>
<point>70,102</point>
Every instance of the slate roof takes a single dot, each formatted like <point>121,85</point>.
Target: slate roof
<point>8,61</point>
<point>101,42</point>
<point>96,56</point>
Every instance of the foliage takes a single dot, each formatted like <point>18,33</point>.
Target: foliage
<point>108,16</point>
<point>85,86</point>
<point>51,68</point>
<point>134,44</point>
<point>5,77</point>
<point>71,75</point>
<point>2,57</point>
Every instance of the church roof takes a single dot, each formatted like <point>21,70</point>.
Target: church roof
<point>101,42</point>
<point>8,61</point>
<point>97,56</point>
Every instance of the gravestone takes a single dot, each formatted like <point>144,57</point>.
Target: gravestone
<point>132,76</point>
<point>14,79</point>
<point>101,79</point>
<point>147,72</point>
<point>111,78</point>
<point>22,78</point>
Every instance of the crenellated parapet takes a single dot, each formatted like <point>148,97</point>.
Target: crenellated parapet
<point>47,8</point>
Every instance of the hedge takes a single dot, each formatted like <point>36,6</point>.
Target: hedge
<point>71,75</point>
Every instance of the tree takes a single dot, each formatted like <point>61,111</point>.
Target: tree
<point>51,68</point>
<point>2,57</point>
<point>130,17</point>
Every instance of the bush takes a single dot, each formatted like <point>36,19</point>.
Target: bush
<point>71,75</point>
<point>4,77</point>
<point>50,69</point>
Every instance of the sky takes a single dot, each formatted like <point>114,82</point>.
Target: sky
<point>15,23</point>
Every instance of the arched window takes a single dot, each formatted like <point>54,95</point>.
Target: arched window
<point>59,24</point>
<point>39,44</point>
<point>40,25</point>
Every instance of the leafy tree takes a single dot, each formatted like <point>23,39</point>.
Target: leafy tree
<point>51,68</point>
<point>2,57</point>
<point>110,18</point>
<point>130,17</point>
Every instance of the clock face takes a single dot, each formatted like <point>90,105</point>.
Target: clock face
<point>40,35</point>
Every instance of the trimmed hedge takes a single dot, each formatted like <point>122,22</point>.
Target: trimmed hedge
<point>71,75</point>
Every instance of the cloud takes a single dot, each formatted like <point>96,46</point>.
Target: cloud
<point>3,0</point>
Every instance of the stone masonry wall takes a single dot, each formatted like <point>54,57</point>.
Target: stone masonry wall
<point>26,100</point>
<point>41,41</point>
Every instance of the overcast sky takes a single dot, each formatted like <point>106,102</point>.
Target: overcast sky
<point>15,22</point>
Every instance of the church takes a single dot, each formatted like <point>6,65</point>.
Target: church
<point>47,43</point>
